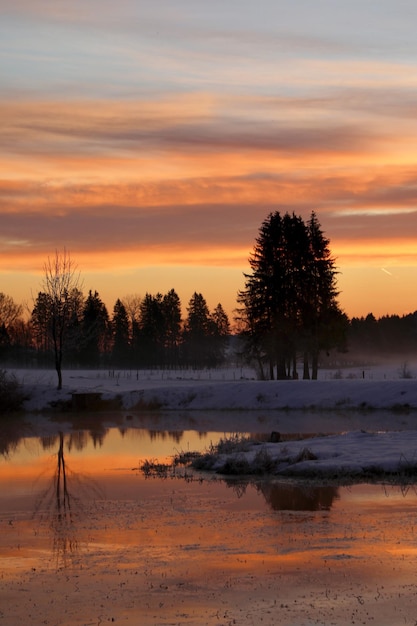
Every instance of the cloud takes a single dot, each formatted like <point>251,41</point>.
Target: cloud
<point>200,220</point>
<point>189,179</point>
<point>185,126</point>
<point>160,20</point>
<point>345,124</point>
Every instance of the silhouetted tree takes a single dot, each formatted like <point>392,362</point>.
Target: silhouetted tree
<point>41,323</point>
<point>61,283</point>
<point>271,298</point>
<point>96,330</point>
<point>12,341</point>
<point>290,295</point>
<point>10,312</point>
<point>74,335</point>
<point>171,311</point>
<point>150,331</point>
<point>368,337</point>
<point>131,303</point>
<point>323,323</point>
<point>120,327</point>
<point>220,334</point>
<point>196,331</point>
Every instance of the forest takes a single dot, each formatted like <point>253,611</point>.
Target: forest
<point>287,316</point>
<point>139,333</point>
<point>151,332</point>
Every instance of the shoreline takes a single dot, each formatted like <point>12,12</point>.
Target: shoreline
<point>96,390</point>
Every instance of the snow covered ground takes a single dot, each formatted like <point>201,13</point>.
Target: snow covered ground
<point>226,389</point>
<point>377,431</point>
<point>353,455</point>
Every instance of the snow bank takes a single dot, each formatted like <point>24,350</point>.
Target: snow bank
<point>169,392</point>
<point>355,455</point>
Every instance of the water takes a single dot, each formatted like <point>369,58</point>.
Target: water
<point>86,539</point>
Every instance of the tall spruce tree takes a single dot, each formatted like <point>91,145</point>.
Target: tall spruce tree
<point>149,341</point>
<point>196,332</point>
<point>171,310</point>
<point>323,323</point>
<point>220,334</point>
<point>95,331</point>
<point>289,296</point>
<point>120,328</point>
<point>42,325</point>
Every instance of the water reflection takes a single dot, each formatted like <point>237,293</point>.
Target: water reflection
<point>101,451</point>
<point>288,496</point>
<point>11,432</point>
<point>60,504</point>
<point>299,497</point>
<point>77,440</point>
<point>163,551</point>
<point>14,432</point>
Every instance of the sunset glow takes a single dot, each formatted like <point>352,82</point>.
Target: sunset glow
<point>151,142</point>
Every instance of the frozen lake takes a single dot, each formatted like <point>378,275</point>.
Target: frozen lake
<point>109,546</point>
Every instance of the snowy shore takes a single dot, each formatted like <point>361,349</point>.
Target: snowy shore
<point>220,390</point>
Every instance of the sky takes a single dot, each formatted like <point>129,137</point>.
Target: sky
<point>152,139</point>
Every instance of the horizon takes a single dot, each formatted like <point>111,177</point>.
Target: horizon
<point>110,295</point>
<point>152,141</point>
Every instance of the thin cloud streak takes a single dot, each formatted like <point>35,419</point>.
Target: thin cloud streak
<point>61,129</point>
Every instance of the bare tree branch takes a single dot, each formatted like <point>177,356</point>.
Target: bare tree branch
<point>61,281</point>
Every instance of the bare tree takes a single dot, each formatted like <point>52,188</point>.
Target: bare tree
<point>132,304</point>
<point>61,283</point>
<point>9,311</point>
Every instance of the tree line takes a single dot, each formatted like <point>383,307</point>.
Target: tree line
<point>287,315</point>
<point>389,335</point>
<point>140,333</point>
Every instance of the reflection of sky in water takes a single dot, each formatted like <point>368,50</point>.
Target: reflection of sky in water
<point>112,456</point>
<point>144,538</point>
<point>109,456</point>
<point>102,450</point>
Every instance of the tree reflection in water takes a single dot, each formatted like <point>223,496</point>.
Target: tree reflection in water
<point>11,432</point>
<point>62,508</point>
<point>281,496</point>
<point>299,497</point>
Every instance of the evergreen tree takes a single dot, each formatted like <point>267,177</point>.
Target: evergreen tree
<point>171,311</point>
<point>41,323</point>
<point>196,331</point>
<point>323,323</point>
<point>271,300</point>
<point>120,328</point>
<point>388,335</point>
<point>220,334</point>
<point>95,330</point>
<point>290,296</point>
<point>149,347</point>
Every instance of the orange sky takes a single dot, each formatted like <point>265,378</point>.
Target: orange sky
<point>151,143</point>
